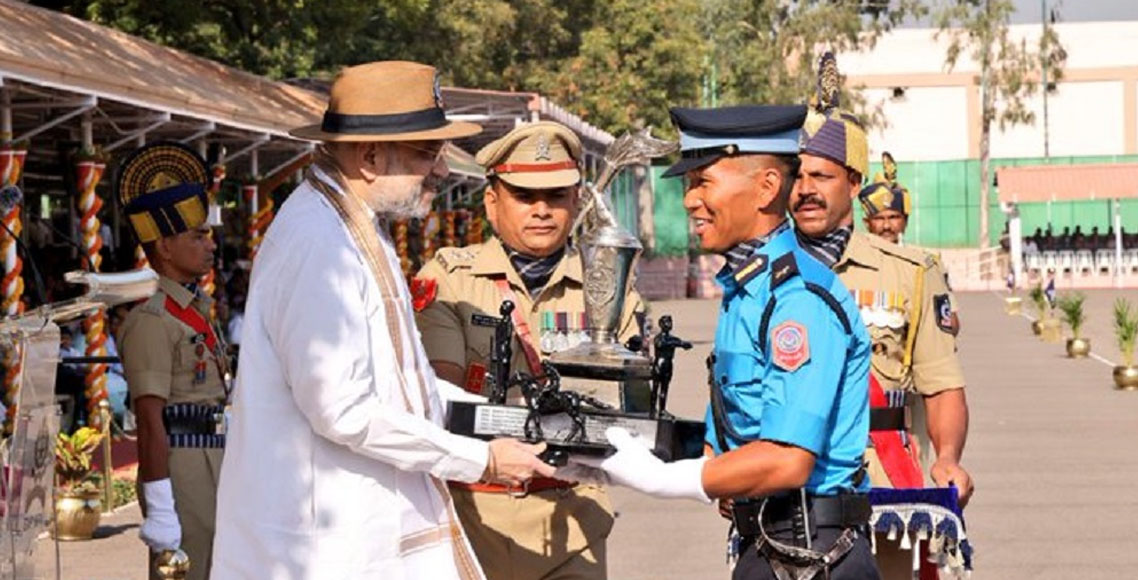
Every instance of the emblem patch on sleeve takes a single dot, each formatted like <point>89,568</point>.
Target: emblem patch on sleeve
<point>423,292</point>
<point>944,318</point>
<point>790,346</point>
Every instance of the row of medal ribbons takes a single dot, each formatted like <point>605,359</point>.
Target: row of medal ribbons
<point>562,331</point>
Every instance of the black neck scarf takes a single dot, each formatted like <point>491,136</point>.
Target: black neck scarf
<point>743,250</point>
<point>534,271</point>
<point>829,248</point>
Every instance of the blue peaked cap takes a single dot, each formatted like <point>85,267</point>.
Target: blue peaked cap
<point>707,135</point>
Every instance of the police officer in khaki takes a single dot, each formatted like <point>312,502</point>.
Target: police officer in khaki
<point>886,206</point>
<point>904,303</point>
<point>173,355</point>
<point>552,529</point>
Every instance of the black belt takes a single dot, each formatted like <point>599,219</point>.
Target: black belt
<point>784,511</point>
<point>887,419</point>
<point>191,419</point>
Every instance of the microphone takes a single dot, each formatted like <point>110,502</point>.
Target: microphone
<point>10,198</point>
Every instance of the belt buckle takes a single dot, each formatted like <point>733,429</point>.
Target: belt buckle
<point>518,491</point>
<point>221,422</point>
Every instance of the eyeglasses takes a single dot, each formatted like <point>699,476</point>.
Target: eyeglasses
<point>432,149</point>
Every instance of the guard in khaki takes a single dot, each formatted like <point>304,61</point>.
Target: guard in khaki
<point>887,206</point>
<point>173,355</point>
<point>905,304</point>
<point>552,529</point>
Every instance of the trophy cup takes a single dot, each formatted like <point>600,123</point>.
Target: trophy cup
<point>608,255</point>
<point>569,421</point>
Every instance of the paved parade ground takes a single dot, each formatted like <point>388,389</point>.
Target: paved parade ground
<point>1053,449</point>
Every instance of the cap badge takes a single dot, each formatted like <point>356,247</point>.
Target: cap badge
<point>542,152</point>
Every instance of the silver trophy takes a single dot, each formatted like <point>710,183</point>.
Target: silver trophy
<point>608,256</point>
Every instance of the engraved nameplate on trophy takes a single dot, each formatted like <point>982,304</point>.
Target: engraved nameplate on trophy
<point>670,438</point>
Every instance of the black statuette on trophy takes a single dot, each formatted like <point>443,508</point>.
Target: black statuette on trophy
<point>664,351</point>
<point>501,352</point>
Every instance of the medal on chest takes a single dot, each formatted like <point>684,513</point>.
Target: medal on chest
<point>201,362</point>
<point>881,309</point>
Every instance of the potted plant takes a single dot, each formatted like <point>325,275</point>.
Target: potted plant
<point>1073,314</point>
<point>1126,332</point>
<point>77,494</point>
<point>1039,300</point>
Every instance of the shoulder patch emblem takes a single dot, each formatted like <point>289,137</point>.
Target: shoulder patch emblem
<point>790,346</point>
<point>783,269</point>
<point>423,292</point>
<point>945,320</point>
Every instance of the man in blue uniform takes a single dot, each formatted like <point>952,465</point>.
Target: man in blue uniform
<point>789,412</point>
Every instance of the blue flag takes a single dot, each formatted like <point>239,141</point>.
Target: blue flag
<point>1050,293</point>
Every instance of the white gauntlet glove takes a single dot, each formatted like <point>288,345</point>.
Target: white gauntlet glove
<point>161,529</point>
<point>634,466</point>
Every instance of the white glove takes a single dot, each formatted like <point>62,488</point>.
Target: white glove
<point>634,466</point>
<point>161,529</point>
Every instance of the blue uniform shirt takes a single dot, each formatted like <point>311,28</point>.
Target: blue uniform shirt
<point>806,383</point>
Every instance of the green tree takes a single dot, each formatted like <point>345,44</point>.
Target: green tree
<point>766,51</point>
<point>617,63</point>
<point>1010,71</point>
<point>635,61</point>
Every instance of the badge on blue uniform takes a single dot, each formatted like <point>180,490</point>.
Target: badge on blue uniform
<point>790,346</point>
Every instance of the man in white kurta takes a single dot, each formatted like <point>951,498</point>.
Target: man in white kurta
<point>335,452</point>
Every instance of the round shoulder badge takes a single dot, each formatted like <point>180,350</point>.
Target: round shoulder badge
<point>790,346</point>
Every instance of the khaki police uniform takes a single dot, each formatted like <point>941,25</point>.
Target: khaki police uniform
<point>552,530</point>
<point>162,357</point>
<point>553,533</point>
<point>902,296</point>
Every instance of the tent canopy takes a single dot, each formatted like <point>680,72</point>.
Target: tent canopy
<point>1043,183</point>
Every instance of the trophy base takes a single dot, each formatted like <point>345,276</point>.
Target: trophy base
<point>671,439</point>
<point>609,361</point>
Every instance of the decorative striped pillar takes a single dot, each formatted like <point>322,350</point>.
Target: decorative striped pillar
<point>209,281</point>
<point>12,159</point>
<point>432,234</point>
<point>89,171</point>
<point>399,236</point>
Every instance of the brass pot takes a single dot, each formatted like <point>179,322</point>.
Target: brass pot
<point>77,514</point>
<point>1012,305</point>
<point>1037,327</point>
<point>1051,331</point>
<point>1078,347</point>
<point>1126,377</point>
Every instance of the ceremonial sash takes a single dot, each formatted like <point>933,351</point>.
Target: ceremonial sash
<point>899,462</point>
<point>194,319</point>
<point>191,317</point>
<point>521,327</point>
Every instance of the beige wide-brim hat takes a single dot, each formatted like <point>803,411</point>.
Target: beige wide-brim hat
<point>386,101</point>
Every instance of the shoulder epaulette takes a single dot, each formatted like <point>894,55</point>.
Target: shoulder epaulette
<point>783,268</point>
<point>755,265</point>
<point>453,258</point>
<point>156,304</point>
<point>912,255</point>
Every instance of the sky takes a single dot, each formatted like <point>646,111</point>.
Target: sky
<point>1027,11</point>
<point>1078,10</point>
